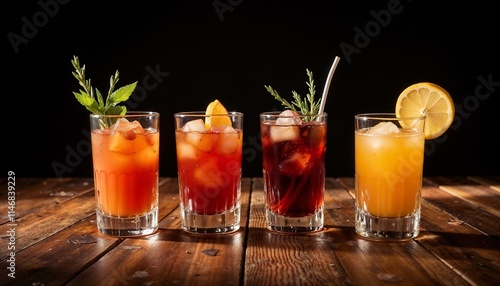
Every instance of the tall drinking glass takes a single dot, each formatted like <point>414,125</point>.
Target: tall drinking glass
<point>389,158</point>
<point>209,172</point>
<point>293,153</point>
<point>125,153</point>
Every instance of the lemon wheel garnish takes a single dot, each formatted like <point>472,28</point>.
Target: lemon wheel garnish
<point>216,108</point>
<point>429,100</point>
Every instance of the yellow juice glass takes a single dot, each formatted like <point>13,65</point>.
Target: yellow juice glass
<point>389,157</point>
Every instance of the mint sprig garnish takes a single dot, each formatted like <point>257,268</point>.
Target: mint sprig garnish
<point>305,106</point>
<point>92,98</point>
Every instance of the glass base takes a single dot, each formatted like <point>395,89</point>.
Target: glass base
<point>376,228</point>
<point>210,224</point>
<point>128,226</point>
<point>281,223</point>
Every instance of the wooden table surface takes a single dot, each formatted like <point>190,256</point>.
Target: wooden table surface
<point>57,243</point>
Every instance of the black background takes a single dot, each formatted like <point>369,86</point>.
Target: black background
<point>228,50</point>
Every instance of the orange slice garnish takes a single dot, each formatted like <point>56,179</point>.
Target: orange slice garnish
<point>216,115</point>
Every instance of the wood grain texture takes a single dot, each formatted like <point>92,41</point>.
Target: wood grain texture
<point>57,242</point>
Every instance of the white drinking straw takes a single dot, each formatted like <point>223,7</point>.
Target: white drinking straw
<point>327,85</point>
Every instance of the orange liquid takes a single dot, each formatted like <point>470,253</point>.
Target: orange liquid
<point>125,172</point>
<point>389,173</point>
<point>209,170</point>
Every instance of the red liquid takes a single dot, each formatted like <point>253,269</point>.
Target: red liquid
<point>294,171</point>
<point>209,170</point>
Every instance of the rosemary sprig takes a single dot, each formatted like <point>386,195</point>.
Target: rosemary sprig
<point>307,105</point>
<point>92,98</point>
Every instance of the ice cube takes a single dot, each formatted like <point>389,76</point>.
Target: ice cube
<point>227,142</point>
<point>120,123</point>
<point>295,165</point>
<point>196,136</point>
<point>283,133</point>
<point>120,144</point>
<point>152,136</point>
<point>229,130</point>
<point>383,128</point>
<point>288,117</point>
<point>123,133</point>
<point>209,175</point>
<point>204,142</point>
<point>194,125</point>
<point>128,130</point>
<point>286,128</point>
<point>185,151</point>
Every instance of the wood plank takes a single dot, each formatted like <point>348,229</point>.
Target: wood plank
<point>170,257</point>
<point>52,260</point>
<point>471,254</point>
<point>340,208</point>
<point>490,181</point>
<point>55,216</point>
<point>462,211</point>
<point>308,260</point>
<point>302,259</point>
<point>477,194</point>
<point>459,243</point>
<point>56,259</point>
<point>168,201</point>
<point>35,193</point>
<point>391,261</point>
<point>178,257</point>
<point>382,263</point>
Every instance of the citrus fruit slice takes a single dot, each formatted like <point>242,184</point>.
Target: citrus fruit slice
<point>429,100</point>
<point>218,119</point>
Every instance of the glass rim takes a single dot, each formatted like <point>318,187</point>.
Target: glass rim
<point>385,116</point>
<point>277,113</point>
<point>128,114</point>
<point>202,113</point>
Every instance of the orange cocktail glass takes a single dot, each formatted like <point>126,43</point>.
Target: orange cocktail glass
<point>125,151</point>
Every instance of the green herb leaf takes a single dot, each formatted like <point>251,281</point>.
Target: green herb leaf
<point>305,106</point>
<point>87,101</point>
<point>99,99</point>
<point>117,110</point>
<point>94,101</point>
<point>121,94</point>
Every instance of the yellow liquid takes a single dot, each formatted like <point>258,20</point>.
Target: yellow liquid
<point>389,172</point>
